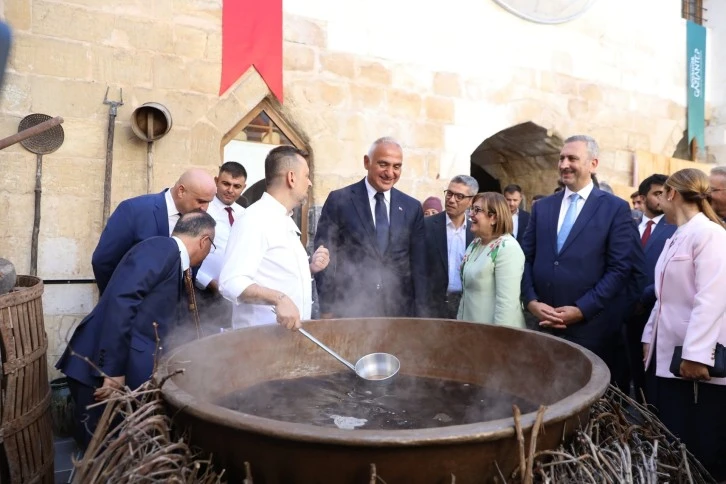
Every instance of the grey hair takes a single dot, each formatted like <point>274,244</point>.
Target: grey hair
<point>469,181</point>
<point>605,186</point>
<point>593,150</point>
<point>194,224</point>
<point>719,170</point>
<point>386,140</point>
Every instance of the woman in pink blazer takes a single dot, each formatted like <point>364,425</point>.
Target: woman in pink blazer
<point>690,282</point>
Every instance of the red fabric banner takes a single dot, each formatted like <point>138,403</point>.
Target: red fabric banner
<point>252,36</point>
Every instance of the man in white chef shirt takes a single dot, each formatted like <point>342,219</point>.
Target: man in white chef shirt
<point>266,272</point>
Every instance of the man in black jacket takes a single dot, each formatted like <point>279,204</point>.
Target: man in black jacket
<point>448,235</point>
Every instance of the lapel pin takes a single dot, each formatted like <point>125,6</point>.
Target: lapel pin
<point>400,209</point>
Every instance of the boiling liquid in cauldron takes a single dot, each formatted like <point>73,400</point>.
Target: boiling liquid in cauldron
<point>343,400</point>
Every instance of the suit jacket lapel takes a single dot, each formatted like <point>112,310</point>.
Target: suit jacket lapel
<point>441,239</point>
<point>588,210</point>
<point>363,207</point>
<point>397,216</point>
<point>553,217</point>
<point>658,232</point>
<point>469,235</point>
<point>161,215</point>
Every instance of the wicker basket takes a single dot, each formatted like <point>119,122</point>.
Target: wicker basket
<point>26,436</point>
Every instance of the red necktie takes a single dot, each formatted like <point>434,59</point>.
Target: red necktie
<point>229,214</point>
<point>646,233</point>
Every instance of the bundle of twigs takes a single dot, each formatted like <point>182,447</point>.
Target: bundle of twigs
<point>622,443</point>
<point>134,442</point>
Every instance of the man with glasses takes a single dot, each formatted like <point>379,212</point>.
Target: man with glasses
<point>375,234</point>
<point>266,272</point>
<point>448,235</point>
<point>718,190</point>
<point>146,296</point>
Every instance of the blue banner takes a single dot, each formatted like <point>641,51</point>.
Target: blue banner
<point>696,76</point>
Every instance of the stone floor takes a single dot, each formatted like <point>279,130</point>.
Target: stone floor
<point>64,449</point>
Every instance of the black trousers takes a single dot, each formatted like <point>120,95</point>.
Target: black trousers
<point>452,304</point>
<point>86,420</point>
<point>700,423</point>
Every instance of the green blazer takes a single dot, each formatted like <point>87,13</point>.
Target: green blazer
<point>491,277</point>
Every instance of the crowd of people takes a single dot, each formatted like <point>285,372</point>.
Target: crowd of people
<point>629,286</point>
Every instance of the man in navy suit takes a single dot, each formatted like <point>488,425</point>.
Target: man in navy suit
<point>139,218</point>
<point>654,230</point>
<point>375,235</point>
<point>717,182</point>
<point>513,194</point>
<point>448,234</point>
<point>578,248</point>
<point>118,336</point>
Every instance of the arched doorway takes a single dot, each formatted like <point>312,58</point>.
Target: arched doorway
<point>248,143</point>
<point>525,154</point>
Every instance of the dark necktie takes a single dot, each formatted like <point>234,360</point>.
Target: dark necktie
<point>381,223</point>
<point>646,233</point>
<point>189,286</point>
<point>229,214</point>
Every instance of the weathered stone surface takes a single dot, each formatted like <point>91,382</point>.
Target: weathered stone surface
<point>70,59</point>
<point>7,276</point>
<point>338,63</point>
<point>54,19</point>
<point>374,72</point>
<point>404,104</point>
<point>303,30</point>
<point>298,57</point>
<point>439,109</point>
<point>447,84</point>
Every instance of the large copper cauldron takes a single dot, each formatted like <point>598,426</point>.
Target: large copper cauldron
<point>536,367</point>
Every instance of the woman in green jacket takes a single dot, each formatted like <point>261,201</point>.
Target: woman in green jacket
<point>491,272</point>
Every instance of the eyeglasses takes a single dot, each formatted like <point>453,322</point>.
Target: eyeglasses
<point>457,196</point>
<point>472,211</point>
<point>213,247</point>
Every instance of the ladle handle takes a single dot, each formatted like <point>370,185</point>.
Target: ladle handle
<point>330,352</point>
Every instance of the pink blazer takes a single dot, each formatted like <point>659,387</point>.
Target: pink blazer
<point>690,282</point>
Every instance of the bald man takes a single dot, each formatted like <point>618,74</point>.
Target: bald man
<point>139,218</point>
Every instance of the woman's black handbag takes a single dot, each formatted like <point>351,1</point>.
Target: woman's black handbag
<point>718,370</point>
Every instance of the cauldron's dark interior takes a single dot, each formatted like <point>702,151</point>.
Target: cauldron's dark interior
<point>344,401</point>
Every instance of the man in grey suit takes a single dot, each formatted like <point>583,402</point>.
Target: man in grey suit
<point>448,235</point>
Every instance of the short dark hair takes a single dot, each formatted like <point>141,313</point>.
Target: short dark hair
<point>635,194</point>
<point>538,197</point>
<point>512,188</point>
<point>194,224</point>
<point>233,168</point>
<point>645,185</point>
<point>280,159</point>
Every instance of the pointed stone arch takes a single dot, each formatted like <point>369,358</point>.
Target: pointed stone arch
<point>525,154</point>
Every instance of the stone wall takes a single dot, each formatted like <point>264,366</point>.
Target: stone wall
<point>441,80</point>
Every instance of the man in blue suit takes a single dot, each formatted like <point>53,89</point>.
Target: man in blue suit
<point>513,194</point>
<point>654,230</point>
<point>118,336</point>
<point>375,235</point>
<point>448,234</point>
<point>139,218</point>
<point>578,248</point>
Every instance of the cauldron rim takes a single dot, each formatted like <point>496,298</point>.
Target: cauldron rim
<point>490,430</point>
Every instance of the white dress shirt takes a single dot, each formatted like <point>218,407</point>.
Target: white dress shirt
<point>456,248</point>
<point>212,265</point>
<point>584,194</point>
<point>171,210</point>
<point>264,248</point>
<point>515,221</point>
<point>372,200</point>
<point>644,223</point>
<point>183,253</point>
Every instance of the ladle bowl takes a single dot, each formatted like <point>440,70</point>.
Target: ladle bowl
<point>373,367</point>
